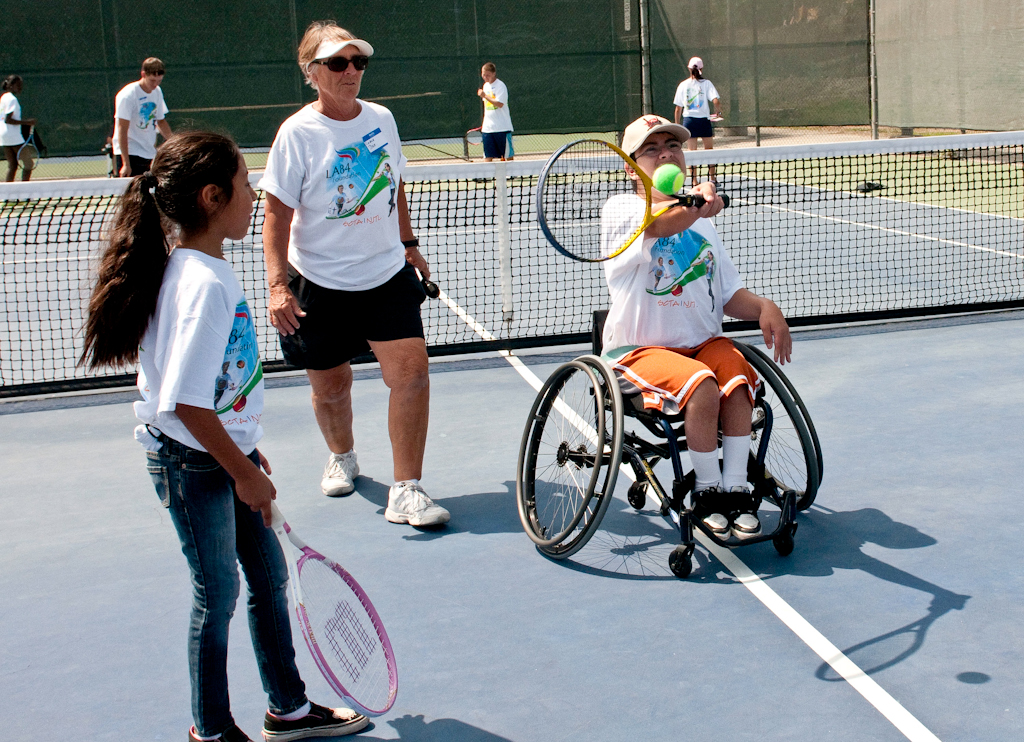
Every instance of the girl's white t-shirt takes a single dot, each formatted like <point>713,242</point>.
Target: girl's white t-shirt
<point>665,292</point>
<point>200,350</point>
<point>341,178</point>
<point>694,97</point>
<point>10,134</point>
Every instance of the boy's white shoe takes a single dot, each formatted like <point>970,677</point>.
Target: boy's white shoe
<point>408,503</point>
<point>745,525</point>
<point>340,474</point>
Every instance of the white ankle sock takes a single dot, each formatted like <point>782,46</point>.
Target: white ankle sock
<point>705,467</point>
<point>295,715</point>
<point>406,481</point>
<point>735,452</point>
<point>205,739</point>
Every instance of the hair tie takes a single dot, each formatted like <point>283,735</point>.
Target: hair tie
<point>149,181</point>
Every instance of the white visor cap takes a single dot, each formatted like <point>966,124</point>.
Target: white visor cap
<point>328,49</point>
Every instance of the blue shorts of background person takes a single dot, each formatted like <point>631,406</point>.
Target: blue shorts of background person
<point>498,144</point>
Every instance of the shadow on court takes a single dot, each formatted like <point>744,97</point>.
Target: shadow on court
<point>416,729</point>
<point>480,513</point>
<point>632,547</point>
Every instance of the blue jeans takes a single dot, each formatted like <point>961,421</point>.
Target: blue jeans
<point>217,532</point>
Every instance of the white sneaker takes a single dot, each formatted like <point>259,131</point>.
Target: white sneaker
<point>340,474</point>
<point>745,525</point>
<point>408,503</point>
<point>704,504</point>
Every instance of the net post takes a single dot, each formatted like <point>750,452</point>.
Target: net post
<point>501,218</point>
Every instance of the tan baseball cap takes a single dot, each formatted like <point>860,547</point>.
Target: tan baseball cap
<point>695,62</point>
<point>637,132</point>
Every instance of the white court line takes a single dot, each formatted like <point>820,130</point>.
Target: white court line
<point>872,692</point>
<point>892,231</point>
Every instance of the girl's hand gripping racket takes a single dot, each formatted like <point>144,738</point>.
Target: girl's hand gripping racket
<point>590,184</point>
<point>340,625</point>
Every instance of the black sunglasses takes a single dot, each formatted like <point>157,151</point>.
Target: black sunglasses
<point>340,64</point>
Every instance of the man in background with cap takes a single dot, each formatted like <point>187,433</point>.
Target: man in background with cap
<point>692,98</point>
<point>139,112</point>
<point>663,336</point>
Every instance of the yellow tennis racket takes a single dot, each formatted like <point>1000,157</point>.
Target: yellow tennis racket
<point>593,201</point>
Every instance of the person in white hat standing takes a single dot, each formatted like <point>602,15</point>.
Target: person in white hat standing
<point>694,98</point>
<point>341,264</point>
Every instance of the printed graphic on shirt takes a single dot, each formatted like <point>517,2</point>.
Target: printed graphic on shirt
<point>147,114</point>
<point>357,173</point>
<point>679,260</point>
<point>241,369</point>
<point>694,100</point>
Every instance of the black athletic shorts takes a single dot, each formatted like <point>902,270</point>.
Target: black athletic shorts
<point>139,164</point>
<point>699,126</point>
<point>338,324</point>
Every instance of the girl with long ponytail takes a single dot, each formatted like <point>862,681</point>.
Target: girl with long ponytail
<point>166,298</point>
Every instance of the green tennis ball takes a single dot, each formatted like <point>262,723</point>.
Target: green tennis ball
<point>669,179</point>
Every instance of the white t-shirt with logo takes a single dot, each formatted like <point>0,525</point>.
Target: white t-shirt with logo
<point>665,292</point>
<point>141,110</point>
<point>200,350</point>
<point>495,118</point>
<point>694,97</point>
<point>341,178</point>
<point>10,134</point>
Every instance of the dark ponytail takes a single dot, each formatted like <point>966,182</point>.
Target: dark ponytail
<point>10,81</point>
<point>696,73</point>
<point>132,267</point>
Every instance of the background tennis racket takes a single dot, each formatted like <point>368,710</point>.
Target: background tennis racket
<point>473,137</point>
<point>577,185</point>
<point>341,627</point>
<point>28,154</point>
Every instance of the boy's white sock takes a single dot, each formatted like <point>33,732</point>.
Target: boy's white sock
<point>705,467</point>
<point>735,453</point>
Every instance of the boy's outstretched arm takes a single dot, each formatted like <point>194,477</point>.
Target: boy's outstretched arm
<point>747,305</point>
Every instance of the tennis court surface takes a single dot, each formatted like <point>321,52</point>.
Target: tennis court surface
<point>907,562</point>
<point>906,565</point>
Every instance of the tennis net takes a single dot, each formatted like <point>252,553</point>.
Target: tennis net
<point>831,232</point>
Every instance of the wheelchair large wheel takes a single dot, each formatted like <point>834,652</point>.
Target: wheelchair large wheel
<point>782,446</point>
<point>569,457</point>
<point>802,407</point>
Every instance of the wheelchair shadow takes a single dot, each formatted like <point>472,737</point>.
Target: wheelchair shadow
<point>478,513</point>
<point>631,547</point>
<point>416,729</point>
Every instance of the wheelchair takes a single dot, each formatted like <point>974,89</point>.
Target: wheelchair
<point>575,440</point>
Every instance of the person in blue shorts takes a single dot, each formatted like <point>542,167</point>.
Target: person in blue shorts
<point>496,130</point>
<point>694,98</point>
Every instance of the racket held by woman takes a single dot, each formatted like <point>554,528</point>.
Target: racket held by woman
<point>340,625</point>
<point>578,186</point>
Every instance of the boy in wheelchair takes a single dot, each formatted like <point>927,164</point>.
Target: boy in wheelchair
<point>663,335</point>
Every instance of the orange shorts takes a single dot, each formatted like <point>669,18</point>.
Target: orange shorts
<point>668,376</point>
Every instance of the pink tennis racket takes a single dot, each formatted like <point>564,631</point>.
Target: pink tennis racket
<point>340,625</point>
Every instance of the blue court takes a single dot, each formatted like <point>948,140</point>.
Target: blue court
<point>906,564</point>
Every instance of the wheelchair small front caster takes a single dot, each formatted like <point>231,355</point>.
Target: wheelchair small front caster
<point>783,543</point>
<point>679,561</point>
<point>637,495</point>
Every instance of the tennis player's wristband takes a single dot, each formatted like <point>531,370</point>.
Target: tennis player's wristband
<point>410,243</point>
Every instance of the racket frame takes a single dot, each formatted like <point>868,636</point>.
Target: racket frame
<point>285,532</point>
<point>24,153</point>
<point>686,200</point>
